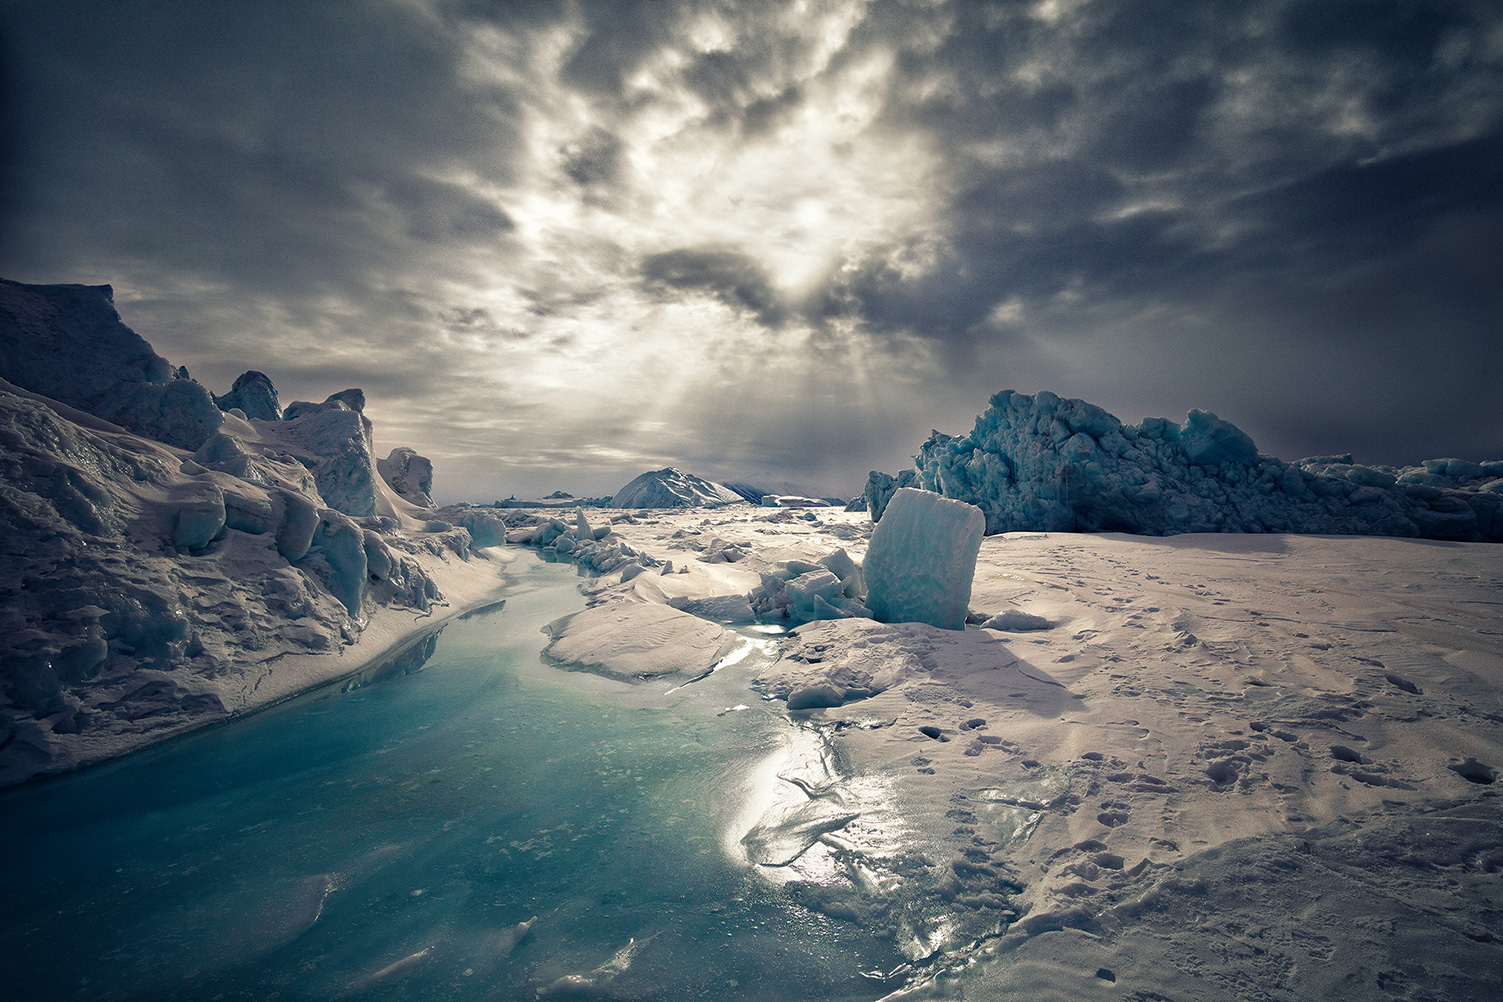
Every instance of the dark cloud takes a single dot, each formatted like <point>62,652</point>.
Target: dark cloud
<point>1283,212</point>
<point>734,278</point>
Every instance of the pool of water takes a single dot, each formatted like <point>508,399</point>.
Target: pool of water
<point>395,839</point>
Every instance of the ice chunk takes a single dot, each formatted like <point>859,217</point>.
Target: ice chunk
<point>632,640</point>
<point>254,396</point>
<point>333,440</point>
<point>409,474</point>
<point>198,520</point>
<point>922,558</point>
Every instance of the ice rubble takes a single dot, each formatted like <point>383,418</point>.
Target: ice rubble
<point>147,589</point>
<point>669,488</point>
<point>119,378</point>
<point>1046,463</point>
<point>922,558</point>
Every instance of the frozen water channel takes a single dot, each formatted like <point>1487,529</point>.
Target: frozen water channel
<point>489,827</point>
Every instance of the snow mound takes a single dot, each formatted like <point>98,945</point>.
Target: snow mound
<point>922,558</point>
<point>638,640</point>
<point>409,474</point>
<point>67,342</point>
<point>669,488</point>
<point>1046,463</point>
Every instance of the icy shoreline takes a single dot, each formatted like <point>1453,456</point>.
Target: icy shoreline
<point>1209,725</point>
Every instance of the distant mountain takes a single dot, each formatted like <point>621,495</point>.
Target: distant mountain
<point>671,488</point>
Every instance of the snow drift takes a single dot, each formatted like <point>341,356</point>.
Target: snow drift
<point>1046,463</point>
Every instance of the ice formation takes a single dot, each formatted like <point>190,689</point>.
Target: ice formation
<point>67,342</point>
<point>1046,463</point>
<point>670,488</point>
<point>150,586</point>
<point>801,591</point>
<point>922,558</point>
<point>333,439</point>
<point>409,474</point>
<point>254,396</point>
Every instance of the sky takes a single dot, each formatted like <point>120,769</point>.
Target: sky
<point>561,242</point>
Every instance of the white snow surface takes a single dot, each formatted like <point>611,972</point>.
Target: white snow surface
<point>1213,766</point>
<point>921,559</point>
<point>670,488</point>
<point>1040,462</point>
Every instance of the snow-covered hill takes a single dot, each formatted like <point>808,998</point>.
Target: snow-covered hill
<point>670,488</point>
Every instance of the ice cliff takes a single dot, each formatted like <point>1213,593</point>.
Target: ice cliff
<point>1045,463</point>
<point>157,568</point>
<point>118,378</point>
<point>670,488</point>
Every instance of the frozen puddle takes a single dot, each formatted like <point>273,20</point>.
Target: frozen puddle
<point>490,827</point>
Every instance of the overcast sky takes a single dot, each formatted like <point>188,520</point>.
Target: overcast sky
<point>560,243</point>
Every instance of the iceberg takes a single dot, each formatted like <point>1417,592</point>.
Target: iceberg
<point>922,558</point>
<point>1045,463</point>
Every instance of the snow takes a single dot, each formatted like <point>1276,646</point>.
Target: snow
<point>1182,762</point>
<point>1045,463</point>
<point>669,488</point>
<point>923,553</point>
<point>638,640</point>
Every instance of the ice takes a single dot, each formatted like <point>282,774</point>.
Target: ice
<point>409,474</point>
<point>800,591</point>
<point>921,560</point>
<point>635,640</point>
<point>254,396</point>
<point>68,343</point>
<point>1045,463</point>
<point>669,488</point>
<point>333,439</point>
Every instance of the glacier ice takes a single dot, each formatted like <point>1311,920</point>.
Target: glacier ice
<point>799,591</point>
<point>669,488</point>
<point>333,439</point>
<point>67,342</point>
<point>254,396</point>
<point>1042,462</point>
<point>409,474</point>
<point>922,558</point>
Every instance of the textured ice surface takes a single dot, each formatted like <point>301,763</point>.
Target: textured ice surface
<point>800,591</point>
<point>333,439</point>
<point>68,343</point>
<point>1046,463</point>
<point>669,488</point>
<point>921,560</point>
<point>409,474</point>
<point>254,396</point>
